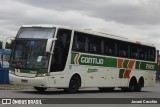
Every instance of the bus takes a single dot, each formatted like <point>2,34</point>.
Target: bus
<point>63,57</point>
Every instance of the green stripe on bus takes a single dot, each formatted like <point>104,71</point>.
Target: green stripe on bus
<point>137,65</point>
<point>147,66</point>
<point>73,57</point>
<point>125,63</point>
<point>92,60</point>
<point>121,72</point>
<point>110,62</point>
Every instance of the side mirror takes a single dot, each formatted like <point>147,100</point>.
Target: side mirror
<point>50,43</point>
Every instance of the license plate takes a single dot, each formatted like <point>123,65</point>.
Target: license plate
<point>24,81</point>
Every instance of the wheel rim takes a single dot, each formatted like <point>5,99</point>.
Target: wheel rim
<point>132,86</point>
<point>73,84</point>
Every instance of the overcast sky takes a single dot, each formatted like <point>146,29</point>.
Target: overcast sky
<point>134,19</point>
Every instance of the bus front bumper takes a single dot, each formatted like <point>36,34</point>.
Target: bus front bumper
<point>36,81</point>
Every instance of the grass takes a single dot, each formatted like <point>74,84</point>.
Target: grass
<point>11,86</point>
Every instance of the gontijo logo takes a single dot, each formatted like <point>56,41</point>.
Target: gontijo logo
<point>86,59</point>
<point>89,60</point>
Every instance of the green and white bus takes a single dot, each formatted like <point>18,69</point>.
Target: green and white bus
<point>68,58</point>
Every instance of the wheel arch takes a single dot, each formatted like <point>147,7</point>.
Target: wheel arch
<point>133,78</point>
<point>78,76</point>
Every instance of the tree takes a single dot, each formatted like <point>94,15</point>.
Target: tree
<point>8,45</point>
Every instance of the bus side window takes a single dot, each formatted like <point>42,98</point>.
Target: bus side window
<point>143,54</point>
<point>134,51</point>
<point>151,54</point>
<point>94,45</point>
<point>61,49</point>
<point>79,43</point>
<point>122,49</point>
<point>109,47</point>
<point>108,50</point>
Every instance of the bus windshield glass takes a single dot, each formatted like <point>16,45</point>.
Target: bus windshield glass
<point>30,54</point>
<point>36,32</point>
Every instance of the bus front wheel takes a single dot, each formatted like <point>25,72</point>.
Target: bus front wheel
<point>40,89</point>
<point>73,85</point>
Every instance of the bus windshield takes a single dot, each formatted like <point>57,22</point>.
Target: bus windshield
<point>30,54</point>
<point>29,50</point>
<point>36,32</point>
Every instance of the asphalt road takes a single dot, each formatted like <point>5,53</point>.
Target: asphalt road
<point>147,92</point>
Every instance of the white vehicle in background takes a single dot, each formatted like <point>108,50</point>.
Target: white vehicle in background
<point>68,58</point>
<point>5,64</point>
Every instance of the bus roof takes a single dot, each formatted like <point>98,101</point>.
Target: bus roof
<point>49,26</point>
<point>90,31</point>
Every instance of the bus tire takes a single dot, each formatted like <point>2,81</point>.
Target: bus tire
<point>140,84</point>
<point>40,89</point>
<point>109,89</point>
<point>73,85</point>
<point>138,88</point>
<point>133,85</point>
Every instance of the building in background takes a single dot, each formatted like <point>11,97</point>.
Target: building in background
<point>5,54</point>
<point>5,57</point>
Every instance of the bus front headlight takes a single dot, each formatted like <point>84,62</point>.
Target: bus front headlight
<point>42,75</point>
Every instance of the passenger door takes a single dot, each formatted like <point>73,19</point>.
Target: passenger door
<point>59,58</point>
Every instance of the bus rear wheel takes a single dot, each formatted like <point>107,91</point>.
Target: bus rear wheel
<point>40,89</point>
<point>138,88</point>
<point>73,85</point>
<point>140,84</point>
<point>133,85</point>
